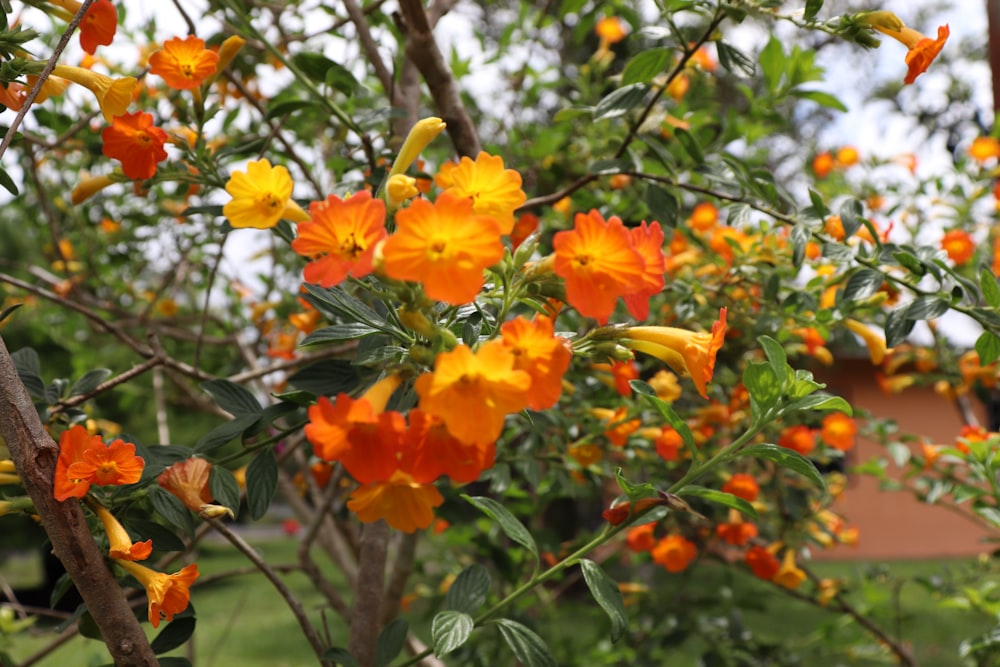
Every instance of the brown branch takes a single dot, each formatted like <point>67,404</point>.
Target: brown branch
<point>34,454</point>
<point>402,568</point>
<point>368,592</point>
<point>423,50</point>
<point>108,384</point>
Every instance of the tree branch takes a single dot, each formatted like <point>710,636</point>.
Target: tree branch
<point>369,589</point>
<point>34,454</point>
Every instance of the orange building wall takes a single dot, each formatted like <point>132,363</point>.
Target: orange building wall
<point>893,524</point>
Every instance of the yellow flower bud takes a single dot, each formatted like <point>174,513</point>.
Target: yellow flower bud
<point>416,141</point>
<point>399,189</point>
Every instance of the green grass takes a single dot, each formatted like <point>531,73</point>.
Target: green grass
<point>242,620</point>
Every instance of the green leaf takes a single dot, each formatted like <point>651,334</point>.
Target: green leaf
<point>338,333</point>
<point>7,182</point>
<point>232,398</point>
<point>818,402</point>
<point>607,167</point>
<point>777,358</point>
<point>762,383</point>
<point>988,347</point>
<point>634,491</point>
<point>927,308</point>
<point>812,9</point>
<point>224,433</point>
<point>170,508</point>
<point>772,62</point>
<point>645,66</point>
<point>225,490</point>
<point>786,458</point>
<point>174,634</point>
<point>326,378</point>
<point>663,205</point>
<point>720,497</point>
<point>29,370</point>
<point>821,98</point>
<point>911,262</point>
<point>321,69</point>
<point>340,656</point>
<point>7,311</point>
<point>469,590</point>
<point>89,382</point>
<point>607,594</point>
<point>800,239</point>
<point>648,394</point>
<point>987,283</point>
<point>174,661</point>
<point>897,327</point>
<point>390,642</point>
<point>862,284</point>
<point>529,648</point>
<point>509,524</point>
<point>262,482</point>
<point>573,113</point>
<point>735,60</point>
<point>690,145</point>
<point>619,102</point>
<point>449,630</point>
<point>285,107</point>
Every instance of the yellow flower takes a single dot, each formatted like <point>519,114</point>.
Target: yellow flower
<point>90,186</point>
<point>113,95</point>
<point>416,141</point>
<point>399,189</point>
<point>121,545</point>
<point>789,575</point>
<point>168,594</point>
<point>875,342</point>
<point>261,197</point>
<point>494,191</point>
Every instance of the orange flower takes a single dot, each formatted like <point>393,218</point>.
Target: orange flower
<point>472,393</point>
<point>789,575</point>
<point>839,431</point>
<point>931,454</point>
<point>762,563</point>
<point>687,352</point>
<point>599,262</point>
<point>330,423</point>
<point>168,594</point>
<point>618,428</point>
<point>822,164</point>
<point>610,30</point>
<point>99,24</point>
<point>106,465</point>
<point>648,241</point>
<point>801,439</point>
<point>526,225</point>
<point>641,538</point>
<point>922,50</point>
<point>959,246</point>
<point>188,481</point>
<point>430,451</point>
<point>984,148</point>
<point>742,486</point>
<point>121,545</point>
<point>342,236</point>
<point>847,156</point>
<point>704,217</point>
<point>494,191</point>
<point>73,442</point>
<point>668,444</point>
<point>737,531</point>
<point>404,504</point>
<point>541,354</point>
<point>445,246</point>
<point>675,553</point>
<point>136,142</point>
<point>184,63</point>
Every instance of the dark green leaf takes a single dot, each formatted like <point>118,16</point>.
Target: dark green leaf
<point>786,458</point>
<point>326,378</point>
<point>862,284</point>
<point>910,261</point>
<point>225,490</point>
<point>163,538</point>
<point>170,508</point>
<point>390,642</point>
<point>735,60</point>
<point>619,102</point>
<point>174,634</point>
<point>7,182</point>
<point>663,205</point>
<point>812,9</point>
<point>573,113</point>
<point>89,382</point>
<point>777,358</point>
<point>340,656</point>
<point>338,333</point>
<point>647,65</point>
<point>690,145</point>
<point>232,398</point>
<point>285,107</point>
<point>224,433</point>
<point>29,369</point>
<point>262,482</point>
<point>666,411</point>
<point>988,347</point>
<point>800,239</point>
<point>606,167</point>
<point>607,594</point>
<point>174,661</point>
<point>469,590</point>
<point>87,627</point>
<point>987,283</point>
<point>927,308</point>
<point>529,648</point>
<point>897,327</point>
<point>7,311</point>
<point>509,524</point>
<point>720,497</point>
<point>762,383</point>
<point>634,491</point>
<point>449,630</point>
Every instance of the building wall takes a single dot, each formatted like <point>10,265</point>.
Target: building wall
<point>893,524</point>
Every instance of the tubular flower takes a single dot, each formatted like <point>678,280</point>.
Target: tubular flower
<point>227,51</point>
<point>540,353</point>
<point>687,352</point>
<point>445,246</point>
<point>640,538</point>
<point>104,465</point>
<point>922,50</point>
<point>404,504</point>
<point>742,486</point>
<point>648,241</point>
<point>113,95</point>
<point>331,422</point>
<point>90,186</point>
<point>618,427</point>
<point>472,392</point>
<point>675,553</point>
<point>121,545</point>
<point>261,197</point>
<point>801,439</point>
<point>789,575</point>
<point>599,263</point>
<point>494,191</point>
<point>762,563</point>
<point>737,531</point>
<point>136,143</point>
<point>188,481</point>
<point>423,133</point>
<point>399,189</point>
<point>668,444</point>
<point>99,24</point>
<point>73,442</point>
<point>184,63</point>
<point>874,342</point>
<point>341,235</point>
<point>959,246</point>
<point>839,431</point>
<point>168,594</point>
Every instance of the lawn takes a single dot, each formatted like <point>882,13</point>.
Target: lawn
<point>241,620</point>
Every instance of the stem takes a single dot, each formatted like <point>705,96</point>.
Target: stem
<point>369,589</point>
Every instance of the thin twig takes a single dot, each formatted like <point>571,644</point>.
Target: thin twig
<point>136,371</point>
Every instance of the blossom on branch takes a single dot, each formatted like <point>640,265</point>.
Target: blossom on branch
<point>261,197</point>
<point>184,63</point>
<point>136,143</point>
<point>168,594</point>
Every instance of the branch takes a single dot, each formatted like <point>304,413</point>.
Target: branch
<point>368,592</point>
<point>34,454</point>
<point>423,50</point>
